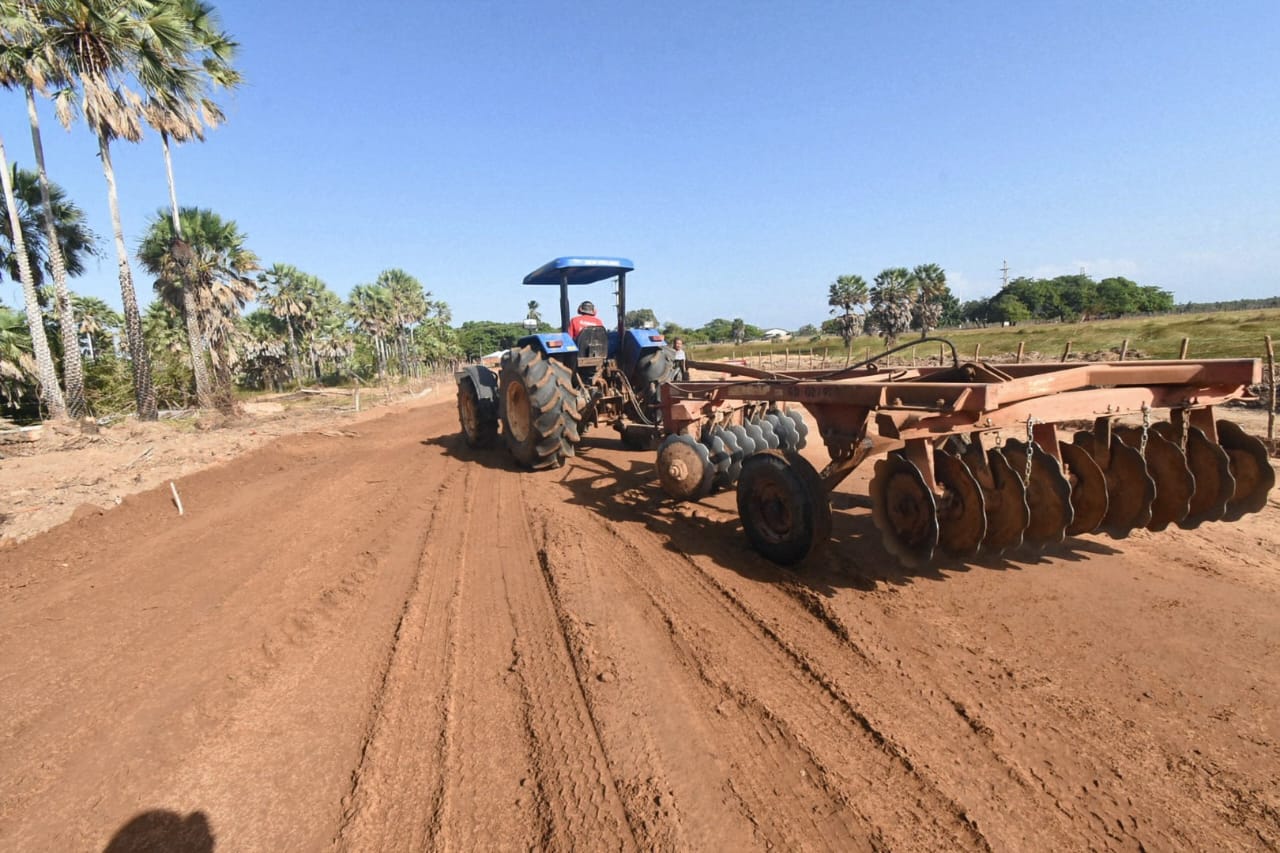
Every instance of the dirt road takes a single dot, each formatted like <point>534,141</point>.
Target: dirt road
<point>385,641</point>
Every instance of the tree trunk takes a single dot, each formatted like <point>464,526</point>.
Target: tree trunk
<point>72,366</point>
<point>195,340</point>
<point>143,390</point>
<point>293,352</point>
<point>195,345</point>
<point>50,393</point>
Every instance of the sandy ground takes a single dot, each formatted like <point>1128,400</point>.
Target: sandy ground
<point>364,636</point>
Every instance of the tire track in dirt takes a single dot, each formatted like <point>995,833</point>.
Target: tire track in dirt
<point>763,705</point>
<point>482,733</point>
<point>1028,764</point>
<point>209,655</point>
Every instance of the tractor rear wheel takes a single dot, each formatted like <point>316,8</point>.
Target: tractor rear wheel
<point>540,409</point>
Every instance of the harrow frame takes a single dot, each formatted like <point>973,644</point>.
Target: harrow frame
<point>919,411</point>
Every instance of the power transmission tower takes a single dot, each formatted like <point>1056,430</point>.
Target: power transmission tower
<point>1004,275</point>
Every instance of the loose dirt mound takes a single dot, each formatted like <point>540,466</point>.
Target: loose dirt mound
<point>369,637</point>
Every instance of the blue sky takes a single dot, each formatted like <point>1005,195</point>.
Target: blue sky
<point>742,154</point>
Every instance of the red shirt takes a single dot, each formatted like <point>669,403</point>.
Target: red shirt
<point>577,323</point>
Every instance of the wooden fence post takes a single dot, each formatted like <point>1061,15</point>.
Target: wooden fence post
<point>1124,349</point>
<point>913,356</point>
<point>977,348</point>
<point>1066,351</point>
<point>1182,353</point>
<point>942,354</point>
<point>1022,345</point>
<point>1271,407</point>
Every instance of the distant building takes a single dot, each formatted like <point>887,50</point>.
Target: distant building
<point>777,335</point>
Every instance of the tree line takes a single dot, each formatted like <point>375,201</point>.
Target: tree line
<point>117,66</point>
<point>1067,298</point>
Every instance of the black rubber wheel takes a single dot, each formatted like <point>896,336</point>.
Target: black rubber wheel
<point>479,418</point>
<point>540,409</point>
<point>652,369</point>
<point>784,506</point>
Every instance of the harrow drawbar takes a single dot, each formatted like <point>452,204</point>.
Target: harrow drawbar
<point>978,458</point>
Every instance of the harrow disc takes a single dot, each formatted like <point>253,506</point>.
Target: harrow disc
<point>756,435</point>
<point>784,507</point>
<point>1130,490</point>
<point>1004,498</point>
<point>730,439</point>
<point>785,429</point>
<point>1211,467</point>
<point>684,468</point>
<point>771,438</point>
<point>1088,489</point>
<point>1048,493</point>
<point>962,522</point>
<point>1251,468</point>
<point>1167,466</point>
<point>745,442</point>
<point>904,510</point>
<point>802,428</point>
<point>721,458</point>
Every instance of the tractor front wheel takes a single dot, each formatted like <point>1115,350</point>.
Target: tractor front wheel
<point>478,418</point>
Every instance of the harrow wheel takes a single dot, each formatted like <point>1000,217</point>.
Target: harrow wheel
<point>1167,466</point>
<point>1088,489</point>
<point>784,507</point>
<point>1250,467</point>
<point>962,521</point>
<point>1004,498</point>
<point>904,509</point>
<point>1048,493</point>
<point>684,468</point>
<point>1130,489</point>
<point>1210,466</point>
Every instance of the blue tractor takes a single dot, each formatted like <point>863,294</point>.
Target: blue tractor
<point>550,388</point>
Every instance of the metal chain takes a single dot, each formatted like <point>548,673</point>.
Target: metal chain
<point>1146,425</point>
<point>1185,425</point>
<point>1031,447</point>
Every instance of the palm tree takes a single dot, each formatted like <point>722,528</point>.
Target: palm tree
<point>846,294</point>
<point>210,272</point>
<point>17,366</point>
<point>74,240</point>
<point>892,296</point>
<point>50,394</point>
<point>371,314</point>
<point>284,294</point>
<point>106,47</point>
<point>179,106</point>
<point>96,321</point>
<point>25,64</point>
<point>930,282</point>
<point>534,314</point>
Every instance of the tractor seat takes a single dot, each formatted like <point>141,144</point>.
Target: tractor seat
<point>593,346</point>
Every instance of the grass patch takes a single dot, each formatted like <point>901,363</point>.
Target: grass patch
<point>1221,334</point>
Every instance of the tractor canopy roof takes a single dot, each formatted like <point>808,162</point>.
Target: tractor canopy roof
<point>578,270</point>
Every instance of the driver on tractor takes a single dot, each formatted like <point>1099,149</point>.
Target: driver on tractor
<point>586,317</point>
